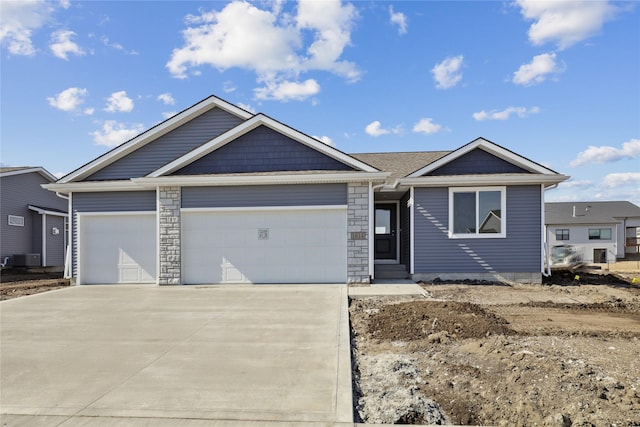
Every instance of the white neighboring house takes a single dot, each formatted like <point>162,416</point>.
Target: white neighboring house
<point>601,232</point>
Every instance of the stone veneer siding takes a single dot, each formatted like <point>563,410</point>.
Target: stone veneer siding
<point>358,223</point>
<point>169,224</point>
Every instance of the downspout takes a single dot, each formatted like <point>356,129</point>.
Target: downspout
<point>43,261</point>
<point>545,243</point>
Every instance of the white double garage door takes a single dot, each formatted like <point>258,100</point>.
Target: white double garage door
<point>260,245</point>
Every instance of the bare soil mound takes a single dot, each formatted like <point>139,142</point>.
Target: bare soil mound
<point>415,320</point>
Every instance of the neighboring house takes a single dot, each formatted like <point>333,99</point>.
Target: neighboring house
<point>33,219</point>
<point>601,232</point>
<point>216,194</point>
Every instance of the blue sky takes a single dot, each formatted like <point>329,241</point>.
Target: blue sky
<point>555,81</point>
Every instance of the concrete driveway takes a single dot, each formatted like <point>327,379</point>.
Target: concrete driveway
<point>89,355</point>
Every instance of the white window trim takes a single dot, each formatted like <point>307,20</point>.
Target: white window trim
<point>503,211</point>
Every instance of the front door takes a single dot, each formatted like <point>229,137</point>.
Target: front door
<point>385,231</point>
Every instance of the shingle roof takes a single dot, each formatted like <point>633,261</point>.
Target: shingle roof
<point>400,164</point>
<point>589,212</point>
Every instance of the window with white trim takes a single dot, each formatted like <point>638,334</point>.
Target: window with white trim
<point>599,234</point>
<point>477,212</point>
<point>562,234</point>
<point>16,220</point>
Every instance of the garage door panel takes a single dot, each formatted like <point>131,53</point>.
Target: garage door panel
<point>299,246</point>
<point>117,249</point>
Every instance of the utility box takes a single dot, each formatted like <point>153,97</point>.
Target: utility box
<point>26,260</point>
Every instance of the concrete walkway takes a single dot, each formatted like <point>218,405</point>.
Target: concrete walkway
<point>194,356</point>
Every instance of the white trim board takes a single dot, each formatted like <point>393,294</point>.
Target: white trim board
<point>268,208</point>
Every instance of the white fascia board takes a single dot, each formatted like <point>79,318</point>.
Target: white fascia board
<point>154,133</point>
<point>489,147</point>
<point>47,211</point>
<point>93,186</point>
<point>480,180</point>
<point>212,180</point>
<point>42,171</point>
<point>249,125</point>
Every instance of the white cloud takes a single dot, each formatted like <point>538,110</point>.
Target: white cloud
<point>564,22</point>
<point>169,114</point>
<point>117,46</point>
<point>114,133</point>
<point>505,114</point>
<point>166,98</point>
<point>270,43</point>
<point>375,129</point>
<point>537,70</point>
<point>427,126</point>
<point>607,154</point>
<point>286,90</point>
<point>18,20</point>
<point>399,19</point>
<point>119,102</point>
<point>65,4</point>
<point>246,107</point>
<point>228,87</point>
<point>70,100</point>
<point>447,73</point>
<point>325,139</point>
<point>572,183</point>
<point>62,45</point>
<point>615,180</point>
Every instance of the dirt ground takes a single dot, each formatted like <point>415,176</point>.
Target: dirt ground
<point>17,283</point>
<point>564,353</point>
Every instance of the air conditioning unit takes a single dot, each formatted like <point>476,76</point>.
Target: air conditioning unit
<point>26,260</point>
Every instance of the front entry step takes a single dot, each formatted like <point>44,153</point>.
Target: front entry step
<point>391,271</point>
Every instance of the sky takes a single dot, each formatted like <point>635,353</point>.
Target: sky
<point>557,82</point>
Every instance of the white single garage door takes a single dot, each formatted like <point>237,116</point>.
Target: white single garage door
<point>117,248</point>
<point>264,246</point>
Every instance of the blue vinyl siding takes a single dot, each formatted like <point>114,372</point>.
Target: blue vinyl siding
<point>169,147</point>
<point>264,195</point>
<point>519,252</point>
<point>116,201</point>
<point>477,162</point>
<point>262,150</point>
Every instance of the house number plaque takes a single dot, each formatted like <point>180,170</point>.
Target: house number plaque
<point>359,235</point>
<point>263,234</point>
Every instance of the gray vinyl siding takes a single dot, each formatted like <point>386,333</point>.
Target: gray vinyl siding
<point>116,201</point>
<point>519,252</point>
<point>169,147</point>
<point>262,150</point>
<point>477,162</point>
<point>18,192</point>
<point>405,232</point>
<point>264,195</point>
<point>55,243</point>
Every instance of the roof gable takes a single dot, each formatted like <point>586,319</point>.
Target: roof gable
<point>152,134</point>
<point>10,171</point>
<point>262,150</point>
<point>169,146</point>
<point>477,161</point>
<point>523,164</point>
<point>246,127</point>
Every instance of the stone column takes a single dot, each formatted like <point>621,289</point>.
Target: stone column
<point>169,201</point>
<point>358,233</point>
